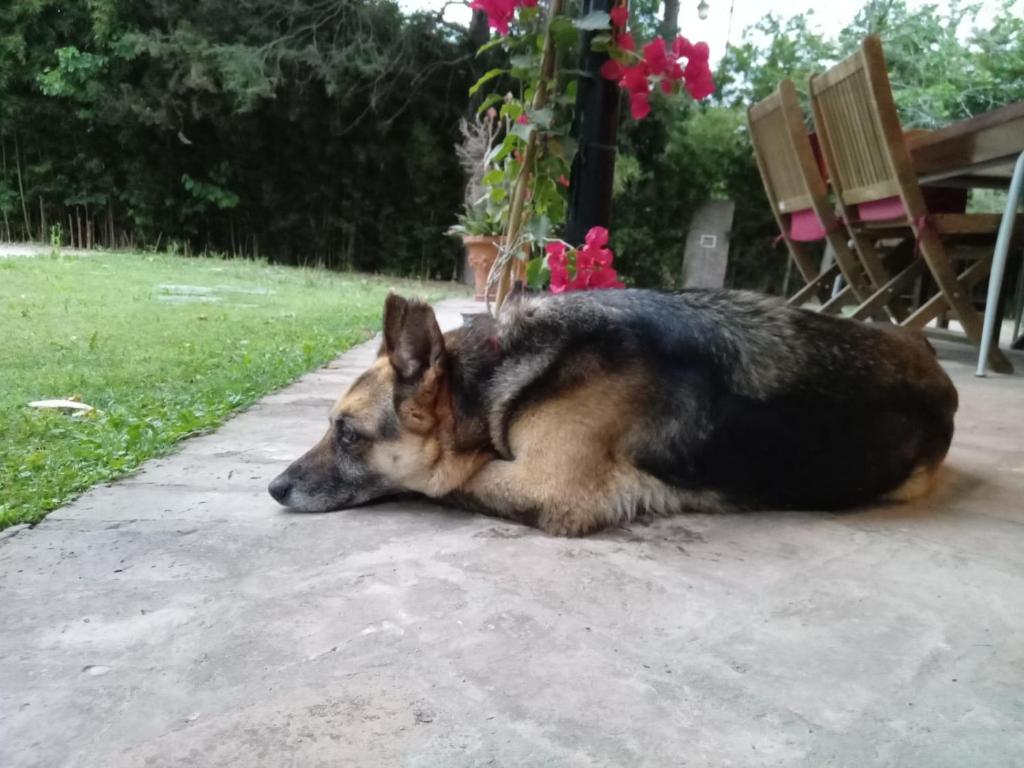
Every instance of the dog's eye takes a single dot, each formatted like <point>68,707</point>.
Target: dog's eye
<point>346,434</point>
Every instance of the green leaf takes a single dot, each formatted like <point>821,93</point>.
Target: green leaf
<point>539,228</point>
<point>534,268</point>
<point>601,43</point>
<point>486,78</point>
<point>542,117</point>
<point>522,61</point>
<point>593,21</point>
<point>522,130</point>
<point>502,151</point>
<point>494,42</point>
<point>564,32</point>
<point>493,178</point>
<point>490,101</point>
<point>512,110</point>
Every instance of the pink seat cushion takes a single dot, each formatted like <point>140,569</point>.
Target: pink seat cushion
<point>886,209</point>
<point>804,226</point>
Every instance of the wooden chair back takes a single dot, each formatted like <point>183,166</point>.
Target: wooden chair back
<point>860,134</point>
<point>791,176</point>
<point>794,184</point>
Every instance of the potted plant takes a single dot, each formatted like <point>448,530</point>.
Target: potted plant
<point>481,234</point>
<point>528,155</point>
<point>482,221</point>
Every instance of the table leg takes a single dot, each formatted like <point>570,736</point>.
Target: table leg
<point>995,279</point>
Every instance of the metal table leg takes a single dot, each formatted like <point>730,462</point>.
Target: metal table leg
<point>995,278</point>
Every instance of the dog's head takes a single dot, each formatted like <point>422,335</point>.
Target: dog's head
<point>385,434</point>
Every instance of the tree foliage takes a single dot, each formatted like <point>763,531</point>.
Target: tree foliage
<point>324,130</point>
<point>313,130</point>
<point>945,65</point>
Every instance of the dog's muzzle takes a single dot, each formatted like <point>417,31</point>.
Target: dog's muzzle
<point>281,488</point>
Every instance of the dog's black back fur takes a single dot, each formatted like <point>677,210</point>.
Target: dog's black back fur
<point>763,403</point>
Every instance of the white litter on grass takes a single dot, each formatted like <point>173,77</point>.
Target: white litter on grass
<point>67,405</point>
<point>178,293</point>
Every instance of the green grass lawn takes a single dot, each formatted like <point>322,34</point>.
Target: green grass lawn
<point>163,347</point>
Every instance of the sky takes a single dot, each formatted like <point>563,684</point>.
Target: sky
<point>831,15</point>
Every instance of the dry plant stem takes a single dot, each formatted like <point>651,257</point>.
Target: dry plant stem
<point>515,218</point>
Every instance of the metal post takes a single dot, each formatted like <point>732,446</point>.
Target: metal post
<point>995,277</point>
<point>596,129</point>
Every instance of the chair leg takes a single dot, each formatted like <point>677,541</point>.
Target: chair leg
<point>803,260</point>
<point>993,315</point>
<point>842,298</point>
<point>956,294</point>
<point>878,274</point>
<point>884,296</point>
<point>849,266</point>
<point>814,287</point>
<point>937,305</point>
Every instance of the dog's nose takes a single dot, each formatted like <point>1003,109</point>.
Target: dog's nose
<point>279,488</point>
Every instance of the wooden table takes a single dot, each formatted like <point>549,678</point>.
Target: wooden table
<point>984,151</point>
<point>978,152</point>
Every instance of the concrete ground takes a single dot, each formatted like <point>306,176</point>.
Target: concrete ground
<point>182,618</point>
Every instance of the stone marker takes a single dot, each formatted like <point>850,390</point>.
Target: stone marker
<point>707,245</point>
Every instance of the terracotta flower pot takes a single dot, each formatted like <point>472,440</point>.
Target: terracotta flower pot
<point>481,253</point>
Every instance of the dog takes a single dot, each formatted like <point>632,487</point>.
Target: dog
<point>579,411</point>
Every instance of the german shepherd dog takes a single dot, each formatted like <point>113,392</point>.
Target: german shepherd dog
<point>579,411</point>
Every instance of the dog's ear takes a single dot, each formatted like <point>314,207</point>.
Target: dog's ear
<point>412,339</point>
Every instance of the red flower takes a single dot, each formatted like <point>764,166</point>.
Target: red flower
<point>500,12</point>
<point>558,266</point>
<point>681,47</point>
<point>667,85</point>
<point>634,79</point>
<point>620,15</point>
<point>604,278</point>
<point>699,80</point>
<point>611,70</point>
<point>639,106</point>
<point>563,181</point>
<point>523,119</point>
<point>626,42</point>
<point>592,264</point>
<point>597,237</point>
<point>654,56</point>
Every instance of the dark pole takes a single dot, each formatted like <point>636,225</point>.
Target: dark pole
<point>596,128</point>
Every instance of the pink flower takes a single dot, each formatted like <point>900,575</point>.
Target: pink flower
<point>681,47</point>
<point>597,237</point>
<point>634,79</point>
<point>558,265</point>
<point>563,181</point>
<point>611,70</point>
<point>699,80</point>
<point>604,278</point>
<point>523,119</point>
<point>500,12</point>
<point>654,56</point>
<point>639,106</point>
<point>626,42</point>
<point>620,15</point>
<point>591,264</point>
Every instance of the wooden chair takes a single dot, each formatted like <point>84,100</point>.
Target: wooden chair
<point>877,189</point>
<point>799,199</point>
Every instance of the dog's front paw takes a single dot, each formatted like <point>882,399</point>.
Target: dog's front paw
<point>570,524</point>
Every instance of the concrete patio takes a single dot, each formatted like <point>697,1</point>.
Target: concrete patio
<point>182,618</point>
